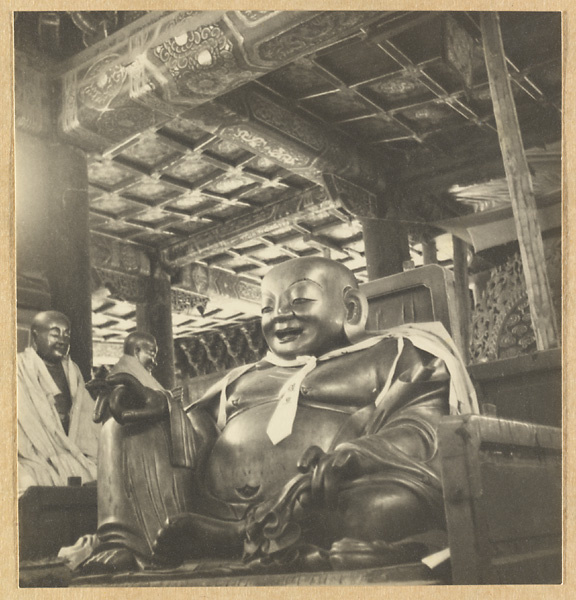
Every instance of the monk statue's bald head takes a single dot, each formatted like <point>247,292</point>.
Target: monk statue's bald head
<point>50,332</point>
<point>143,347</point>
<point>311,306</point>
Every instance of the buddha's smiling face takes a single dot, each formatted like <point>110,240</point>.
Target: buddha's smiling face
<point>303,310</point>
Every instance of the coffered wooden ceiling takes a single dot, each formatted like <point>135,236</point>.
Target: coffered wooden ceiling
<point>231,141</point>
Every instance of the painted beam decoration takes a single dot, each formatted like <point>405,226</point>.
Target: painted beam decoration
<point>150,71</point>
<point>213,281</point>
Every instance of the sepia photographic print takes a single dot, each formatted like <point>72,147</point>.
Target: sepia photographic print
<point>288,298</point>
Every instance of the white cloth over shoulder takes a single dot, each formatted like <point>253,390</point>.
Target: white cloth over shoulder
<point>46,455</point>
<point>430,337</point>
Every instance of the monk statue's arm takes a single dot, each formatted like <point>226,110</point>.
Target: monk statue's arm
<point>128,401</point>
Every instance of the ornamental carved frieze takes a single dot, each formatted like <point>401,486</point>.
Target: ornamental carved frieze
<point>98,108</point>
<point>122,286</point>
<point>219,350</point>
<point>281,152</point>
<point>110,253</point>
<point>213,281</point>
<point>501,322</point>
<point>102,82</point>
<point>185,301</point>
<point>355,199</point>
<point>286,121</point>
<point>320,29</point>
<point>202,62</point>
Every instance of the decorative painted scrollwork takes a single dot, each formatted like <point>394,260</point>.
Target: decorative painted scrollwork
<point>286,121</point>
<point>102,82</point>
<point>129,288</point>
<point>321,28</point>
<point>279,153</point>
<point>201,61</point>
<point>184,301</point>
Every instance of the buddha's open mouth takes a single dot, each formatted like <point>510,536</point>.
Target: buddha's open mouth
<point>288,334</point>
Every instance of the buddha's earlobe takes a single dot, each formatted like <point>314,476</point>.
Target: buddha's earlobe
<point>356,314</point>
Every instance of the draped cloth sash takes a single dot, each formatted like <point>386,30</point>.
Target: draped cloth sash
<point>429,337</point>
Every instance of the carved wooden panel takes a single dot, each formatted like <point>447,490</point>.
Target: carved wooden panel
<point>214,351</point>
<point>501,325</point>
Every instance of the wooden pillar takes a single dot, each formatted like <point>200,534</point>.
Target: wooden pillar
<point>462,293</point>
<point>429,251</point>
<point>52,233</point>
<point>519,185</point>
<point>386,247</point>
<point>155,317</point>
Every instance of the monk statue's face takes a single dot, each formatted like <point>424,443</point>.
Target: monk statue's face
<point>51,336</point>
<point>145,353</point>
<point>303,307</point>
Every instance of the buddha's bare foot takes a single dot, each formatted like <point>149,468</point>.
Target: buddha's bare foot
<point>113,560</point>
<point>349,553</point>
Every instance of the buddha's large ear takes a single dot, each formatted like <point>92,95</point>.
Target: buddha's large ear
<point>356,314</point>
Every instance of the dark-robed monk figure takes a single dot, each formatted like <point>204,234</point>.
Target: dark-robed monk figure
<point>322,453</point>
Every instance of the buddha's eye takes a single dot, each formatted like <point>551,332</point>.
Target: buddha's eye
<point>266,310</point>
<point>297,301</point>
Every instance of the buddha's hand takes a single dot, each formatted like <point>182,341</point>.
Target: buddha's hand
<point>328,470</point>
<point>130,402</point>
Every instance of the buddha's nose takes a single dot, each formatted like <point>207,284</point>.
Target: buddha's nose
<point>284,308</point>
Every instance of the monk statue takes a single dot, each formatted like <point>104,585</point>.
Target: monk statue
<point>323,454</point>
<point>57,438</point>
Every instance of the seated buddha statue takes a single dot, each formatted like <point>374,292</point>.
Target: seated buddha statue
<point>322,454</point>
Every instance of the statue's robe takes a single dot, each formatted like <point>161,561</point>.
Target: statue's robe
<point>369,397</point>
<point>138,488</point>
<point>46,454</point>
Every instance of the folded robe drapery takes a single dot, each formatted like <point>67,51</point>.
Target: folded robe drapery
<point>46,455</point>
<point>430,337</point>
<point>138,486</point>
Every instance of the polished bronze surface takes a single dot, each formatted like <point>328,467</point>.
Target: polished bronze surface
<point>349,467</point>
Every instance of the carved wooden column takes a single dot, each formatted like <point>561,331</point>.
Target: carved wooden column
<point>461,283</point>
<point>519,185</point>
<point>155,317</point>
<point>52,226</point>
<point>386,247</point>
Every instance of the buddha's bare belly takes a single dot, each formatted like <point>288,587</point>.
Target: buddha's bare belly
<point>244,464</point>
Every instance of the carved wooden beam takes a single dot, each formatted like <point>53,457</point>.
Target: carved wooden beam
<point>245,227</point>
<point>123,286</point>
<point>150,71</point>
<point>253,118</point>
<point>115,255</point>
<point>185,301</point>
<point>215,282</point>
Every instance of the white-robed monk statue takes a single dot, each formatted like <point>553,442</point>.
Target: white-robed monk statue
<point>57,437</point>
<point>324,453</point>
